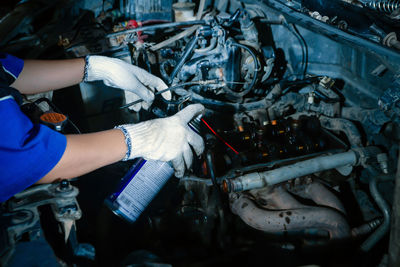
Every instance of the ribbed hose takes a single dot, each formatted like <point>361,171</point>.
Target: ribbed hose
<point>387,6</point>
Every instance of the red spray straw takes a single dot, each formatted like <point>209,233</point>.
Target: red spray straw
<point>219,137</point>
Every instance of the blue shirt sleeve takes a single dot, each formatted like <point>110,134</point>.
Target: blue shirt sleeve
<point>12,66</point>
<point>27,151</point>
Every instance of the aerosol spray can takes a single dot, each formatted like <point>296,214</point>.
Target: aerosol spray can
<point>141,184</point>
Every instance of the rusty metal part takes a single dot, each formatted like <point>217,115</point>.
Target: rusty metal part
<point>366,228</point>
<point>60,196</point>
<point>318,193</point>
<point>274,221</point>
<point>277,198</point>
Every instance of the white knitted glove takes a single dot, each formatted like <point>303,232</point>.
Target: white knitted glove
<point>119,74</point>
<point>166,139</point>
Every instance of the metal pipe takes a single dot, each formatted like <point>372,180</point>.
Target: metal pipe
<point>231,173</point>
<point>157,26</point>
<point>188,51</point>
<point>276,176</point>
<point>175,38</point>
<point>384,207</point>
<point>290,220</point>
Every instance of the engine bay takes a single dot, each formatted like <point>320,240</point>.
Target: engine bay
<point>301,131</point>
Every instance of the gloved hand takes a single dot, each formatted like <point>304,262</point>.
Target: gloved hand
<point>166,139</point>
<point>137,82</point>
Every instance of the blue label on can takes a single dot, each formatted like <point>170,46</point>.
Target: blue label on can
<point>141,184</point>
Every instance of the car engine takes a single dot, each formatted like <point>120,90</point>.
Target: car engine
<point>301,131</point>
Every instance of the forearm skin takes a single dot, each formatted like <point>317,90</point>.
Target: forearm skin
<point>87,152</point>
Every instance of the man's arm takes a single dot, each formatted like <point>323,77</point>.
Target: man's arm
<point>45,75</point>
<point>167,139</point>
<point>87,152</point>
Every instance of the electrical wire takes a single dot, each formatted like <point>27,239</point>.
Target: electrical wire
<point>182,102</point>
<point>303,44</point>
<point>305,62</point>
<point>74,125</point>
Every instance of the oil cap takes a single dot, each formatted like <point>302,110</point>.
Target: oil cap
<point>54,120</point>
